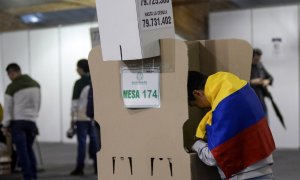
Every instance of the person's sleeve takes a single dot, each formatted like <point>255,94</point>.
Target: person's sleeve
<point>74,108</point>
<point>75,100</point>
<point>76,90</point>
<point>204,153</point>
<point>90,104</point>
<point>268,75</point>
<point>8,110</point>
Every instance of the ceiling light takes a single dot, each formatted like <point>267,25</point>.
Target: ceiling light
<point>32,18</point>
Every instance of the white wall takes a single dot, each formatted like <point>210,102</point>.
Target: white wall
<point>234,24</point>
<point>283,64</point>
<point>44,65</point>
<point>15,49</point>
<point>49,56</point>
<point>259,26</point>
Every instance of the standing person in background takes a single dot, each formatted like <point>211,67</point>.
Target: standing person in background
<point>84,126</point>
<point>260,78</point>
<point>21,109</point>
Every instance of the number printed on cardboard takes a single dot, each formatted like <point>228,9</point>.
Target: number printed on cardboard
<point>155,14</point>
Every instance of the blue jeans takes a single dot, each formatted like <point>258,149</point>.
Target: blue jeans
<point>23,135</point>
<point>84,129</point>
<point>98,138</point>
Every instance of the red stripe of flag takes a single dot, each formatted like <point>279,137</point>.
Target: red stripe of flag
<point>248,147</point>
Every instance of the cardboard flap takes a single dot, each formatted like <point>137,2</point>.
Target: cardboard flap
<point>232,55</point>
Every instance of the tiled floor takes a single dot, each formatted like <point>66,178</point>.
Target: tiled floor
<point>59,160</point>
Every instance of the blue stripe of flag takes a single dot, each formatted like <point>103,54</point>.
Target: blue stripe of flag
<point>234,114</point>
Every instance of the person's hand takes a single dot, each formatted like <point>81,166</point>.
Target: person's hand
<point>257,81</point>
<point>5,131</point>
<point>266,82</point>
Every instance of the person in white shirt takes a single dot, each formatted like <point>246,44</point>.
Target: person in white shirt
<point>21,109</point>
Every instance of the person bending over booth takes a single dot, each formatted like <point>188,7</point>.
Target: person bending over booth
<point>234,135</point>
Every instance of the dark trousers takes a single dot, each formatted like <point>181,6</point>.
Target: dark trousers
<point>23,135</point>
<point>97,129</point>
<point>84,129</point>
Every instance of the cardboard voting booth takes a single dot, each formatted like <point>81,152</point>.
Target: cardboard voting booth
<point>149,143</point>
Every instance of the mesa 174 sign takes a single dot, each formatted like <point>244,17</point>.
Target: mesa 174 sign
<point>140,87</point>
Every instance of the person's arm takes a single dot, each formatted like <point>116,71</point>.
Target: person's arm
<point>8,110</point>
<point>90,104</point>
<point>204,153</point>
<point>74,109</point>
<point>256,81</point>
<point>75,101</point>
<point>268,77</point>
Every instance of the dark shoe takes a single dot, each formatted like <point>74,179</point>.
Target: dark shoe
<point>77,172</point>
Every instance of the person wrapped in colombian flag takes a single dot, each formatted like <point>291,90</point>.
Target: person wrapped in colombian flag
<point>239,140</point>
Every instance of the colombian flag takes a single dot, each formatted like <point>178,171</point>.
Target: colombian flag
<point>237,130</point>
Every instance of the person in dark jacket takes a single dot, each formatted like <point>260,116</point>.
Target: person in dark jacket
<point>90,114</point>
<point>85,127</point>
<point>260,77</point>
<point>90,103</point>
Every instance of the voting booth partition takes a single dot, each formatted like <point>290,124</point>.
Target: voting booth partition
<point>149,143</point>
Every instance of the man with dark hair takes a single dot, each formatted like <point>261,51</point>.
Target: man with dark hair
<point>260,77</point>
<point>196,82</point>
<point>239,141</point>
<point>21,108</point>
<point>84,126</point>
<point>13,68</point>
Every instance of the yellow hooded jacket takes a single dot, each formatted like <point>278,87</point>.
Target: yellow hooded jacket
<point>218,86</point>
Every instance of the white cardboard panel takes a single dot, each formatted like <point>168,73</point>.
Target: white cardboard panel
<point>283,64</point>
<point>44,65</point>
<point>234,24</point>
<point>133,32</point>
<point>122,19</point>
<point>16,50</point>
<point>75,45</point>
